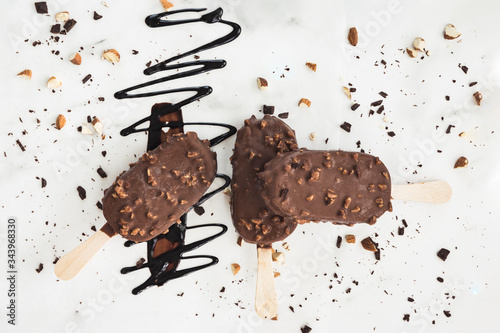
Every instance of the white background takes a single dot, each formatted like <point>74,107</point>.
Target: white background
<point>276,35</point>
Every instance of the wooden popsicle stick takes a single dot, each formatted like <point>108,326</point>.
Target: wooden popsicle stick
<point>436,192</point>
<point>266,301</point>
<point>72,262</point>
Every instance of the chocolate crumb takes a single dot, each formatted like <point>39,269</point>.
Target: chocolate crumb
<point>44,182</point>
<point>99,205</point>
<point>447,313</point>
<point>283,115</point>
<point>55,260</point>
<point>135,52</point>
<point>401,231</point>
<point>406,317</point>
<point>348,291</point>
<point>380,109</point>
<point>376,103</point>
<point>410,299</point>
<point>223,289</point>
<point>404,223</point>
<point>346,127</point>
<point>41,7</point>
<point>101,99</point>
<point>448,130</point>
<point>199,210</point>
<point>40,268</point>
<point>443,254</point>
<point>148,64</point>
<point>81,192</point>
<point>102,173</point>
<point>20,145</point>
<point>305,329</point>
<point>86,78</point>
<point>70,24</point>
<point>447,97</point>
<point>391,134</point>
<point>472,84</point>
<point>339,241</point>
<point>103,153</point>
<point>89,119</point>
<point>55,29</point>
<point>291,309</point>
<point>268,109</point>
<point>97,16</point>
<point>355,106</point>
<point>79,128</point>
<point>440,279</point>
<point>140,263</point>
<point>93,228</point>
<point>465,69</point>
<point>383,94</point>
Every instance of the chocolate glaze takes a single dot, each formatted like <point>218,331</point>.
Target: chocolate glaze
<point>321,185</point>
<point>258,142</point>
<point>165,251</point>
<point>157,190</point>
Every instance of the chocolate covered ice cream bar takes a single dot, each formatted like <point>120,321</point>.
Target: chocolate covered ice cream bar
<point>153,194</point>
<point>336,186</point>
<point>258,142</point>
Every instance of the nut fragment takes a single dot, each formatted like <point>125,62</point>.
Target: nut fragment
<point>419,44</point>
<point>235,268</point>
<point>262,83</point>
<point>96,123</point>
<point>352,37</point>
<point>60,121</point>
<point>462,162</point>
<point>347,92</point>
<point>279,257</point>
<point>450,32</point>
<point>478,97</point>
<point>312,136</point>
<point>311,66</point>
<point>350,239</point>
<point>53,83</point>
<point>62,17</point>
<point>411,52</point>
<point>26,74</point>
<point>166,4</point>
<point>86,130</point>
<point>76,58</point>
<point>304,102</point>
<point>368,245</point>
<point>111,55</point>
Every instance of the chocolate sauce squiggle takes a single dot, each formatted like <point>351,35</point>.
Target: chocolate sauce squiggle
<point>163,267</point>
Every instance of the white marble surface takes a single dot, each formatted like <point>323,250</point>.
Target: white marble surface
<point>276,34</point>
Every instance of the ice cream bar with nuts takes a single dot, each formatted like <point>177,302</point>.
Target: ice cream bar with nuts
<point>337,186</point>
<point>153,194</point>
<point>257,142</point>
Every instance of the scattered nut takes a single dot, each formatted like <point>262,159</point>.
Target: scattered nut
<point>262,83</point>
<point>368,245</point>
<point>462,162</point>
<point>286,246</point>
<point>351,239</point>
<point>53,83</point>
<point>462,134</point>
<point>166,4</point>
<point>347,92</point>
<point>86,130</point>
<point>419,44</point>
<point>352,37</point>
<point>62,17</point>
<point>312,136</point>
<point>311,66</point>
<point>60,121</point>
<point>76,58</point>
<point>411,52</point>
<point>304,102</point>
<point>428,53</point>
<point>478,97</point>
<point>239,241</point>
<point>279,257</point>
<point>111,55</point>
<point>235,268</point>
<point>26,74</point>
<point>96,123</point>
<point>450,32</point>
<point>276,274</point>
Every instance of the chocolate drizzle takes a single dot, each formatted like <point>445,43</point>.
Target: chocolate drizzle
<point>165,251</point>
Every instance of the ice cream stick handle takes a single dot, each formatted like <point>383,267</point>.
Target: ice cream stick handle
<point>72,262</point>
<point>266,301</point>
<point>436,192</point>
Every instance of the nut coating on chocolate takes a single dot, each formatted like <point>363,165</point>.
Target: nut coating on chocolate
<point>154,193</point>
<point>337,186</point>
<point>256,144</point>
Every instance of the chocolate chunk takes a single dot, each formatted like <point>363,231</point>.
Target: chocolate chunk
<point>93,228</point>
<point>339,242</point>
<point>140,263</point>
<point>258,142</point>
<point>55,29</point>
<point>283,115</point>
<point>44,182</point>
<point>103,153</point>
<point>199,210</point>
<point>346,127</point>
<point>305,329</point>
<point>69,25</point>
<point>86,78</point>
<point>406,317</point>
<point>440,279</point>
<point>99,205</point>
<point>465,69</point>
<point>101,172</point>
<point>380,109</point>
<point>404,223</point>
<point>354,107</point>
<point>135,52</point>
<point>101,99</point>
<point>391,134</point>
<point>157,190</point>
<point>40,268</point>
<point>376,103</point>
<point>41,7</point>
<point>401,231</point>
<point>443,254</point>
<point>268,109</point>
<point>337,186</point>
<point>352,89</point>
<point>81,192</point>
<point>383,94</point>
<point>472,84</point>
<point>410,299</point>
<point>97,16</point>
<point>447,313</point>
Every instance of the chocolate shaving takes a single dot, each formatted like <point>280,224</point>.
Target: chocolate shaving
<point>339,241</point>
<point>40,268</point>
<point>283,115</point>
<point>86,78</point>
<point>383,94</point>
